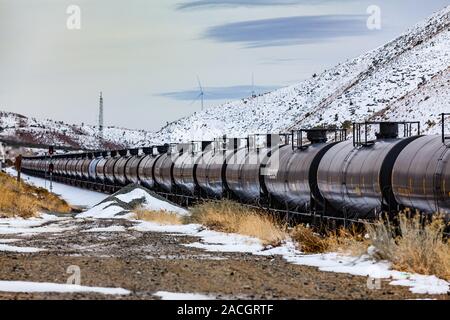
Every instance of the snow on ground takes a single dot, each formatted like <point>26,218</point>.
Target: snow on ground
<point>9,240</point>
<point>29,287</point>
<point>107,229</point>
<point>121,205</point>
<point>20,226</point>
<point>106,210</point>
<point>164,295</point>
<point>362,266</point>
<point>8,248</point>
<point>188,229</point>
<point>219,242</point>
<point>151,203</point>
<point>222,242</point>
<point>331,262</point>
<point>74,196</point>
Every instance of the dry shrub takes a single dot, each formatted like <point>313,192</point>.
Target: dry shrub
<point>351,241</point>
<point>308,241</point>
<point>417,245</point>
<point>161,217</point>
<point>26,201</point>
<point>231,217</point>
<point>346,241</point>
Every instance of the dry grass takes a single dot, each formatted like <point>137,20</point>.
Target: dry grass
<point>161,217</point>
<point>346,241</point>
<point>308,241</point>
<point>231,217</point>
<point>26,201</point>
<point>417,245</point>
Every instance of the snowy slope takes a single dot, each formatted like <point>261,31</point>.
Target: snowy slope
<point>398,81</point>
<point>426,103</point>
<point>15,127</point>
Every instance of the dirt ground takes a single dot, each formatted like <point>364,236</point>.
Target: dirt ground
<point>147,262</point>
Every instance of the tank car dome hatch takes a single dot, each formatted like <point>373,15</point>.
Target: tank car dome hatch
<point>355,178</point>
<point>293,185</point>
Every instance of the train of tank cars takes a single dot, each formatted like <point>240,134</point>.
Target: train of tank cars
<point>337,178</point>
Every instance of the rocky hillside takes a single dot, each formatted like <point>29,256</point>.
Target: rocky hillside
<point>18,128</point>
<point>406,79</point>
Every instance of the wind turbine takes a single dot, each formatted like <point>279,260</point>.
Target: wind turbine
<point>201,95</point>
<point>253,85</point>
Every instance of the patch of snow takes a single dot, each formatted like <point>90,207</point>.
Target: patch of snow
<point>164,295</point>
<point>33,225</point>
<point>107,229</point>
<point>115,209</point>
<point>8,248</point>
<point>9,240</point>
<point>105,210</point>
<point>186,229</point>
<point>30,287</point>
<point>213,241</point>
<point>151,203</point>
<point>421,284</point>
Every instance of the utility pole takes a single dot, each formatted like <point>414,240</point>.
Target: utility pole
<point>253,86</point>
<point>51,151</point>
<point>18,165</point>
<point>3,156</point>
<point>100,116</point>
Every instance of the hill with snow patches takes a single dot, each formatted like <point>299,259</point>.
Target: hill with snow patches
<point>18,128</point>
<point>406,79</point>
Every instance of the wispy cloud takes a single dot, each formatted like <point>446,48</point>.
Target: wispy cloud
<point>289,30</point>
<point>244,3</point>
<point>218,93</point>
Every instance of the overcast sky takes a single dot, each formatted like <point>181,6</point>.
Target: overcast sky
<point>145,55</point>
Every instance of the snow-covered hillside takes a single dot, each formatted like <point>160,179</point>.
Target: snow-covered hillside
<point>16,127</point>
<point>407,79</point>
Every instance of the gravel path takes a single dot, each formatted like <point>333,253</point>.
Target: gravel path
<point>147,262</point>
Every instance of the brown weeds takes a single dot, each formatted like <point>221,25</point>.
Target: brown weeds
<point>231,217</point>
<point>417,245</point>
<point>161,217</point>
<point>23,200</point>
